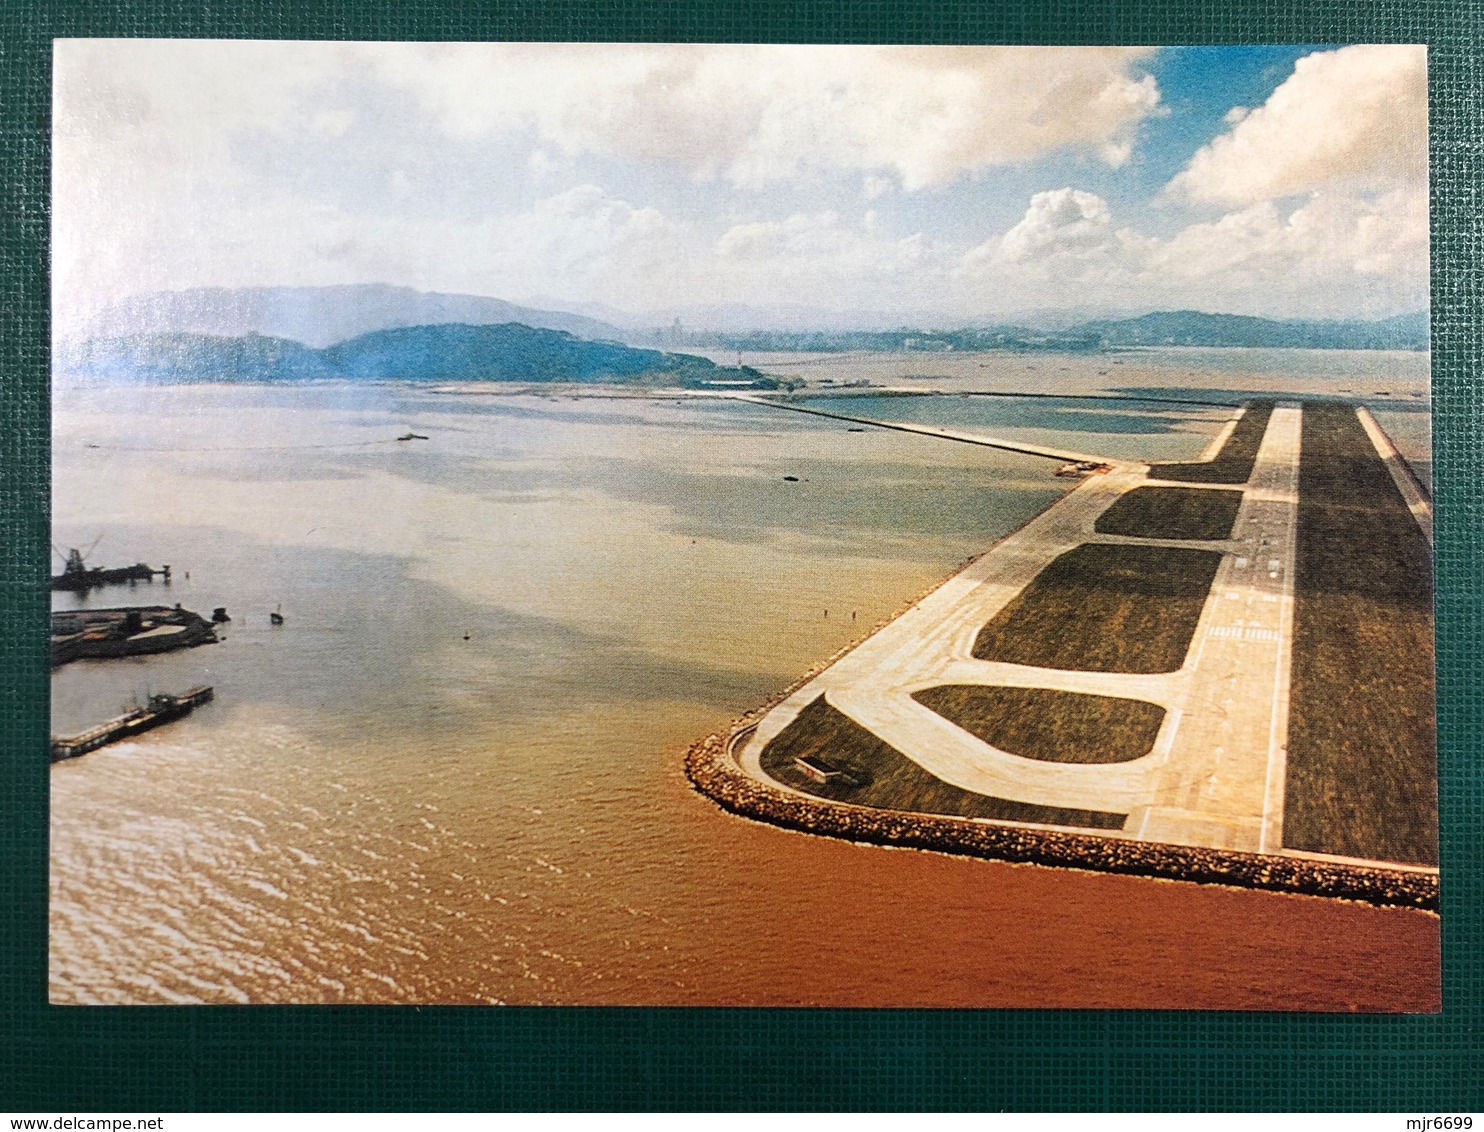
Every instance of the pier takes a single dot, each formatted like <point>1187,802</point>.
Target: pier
<point>162,708</point>
<point>79,577</point>
<point>126,631</point>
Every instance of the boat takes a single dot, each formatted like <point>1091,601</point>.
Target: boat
<point>161,708</point>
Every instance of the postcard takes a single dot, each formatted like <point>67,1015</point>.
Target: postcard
<point>682,524</point>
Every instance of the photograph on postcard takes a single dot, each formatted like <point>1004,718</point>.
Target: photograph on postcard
<point>678,524</point>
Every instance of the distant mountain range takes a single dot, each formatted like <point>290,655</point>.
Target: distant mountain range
<point>444,352</point>
<point>165,324</point>
<point>322,316</point>
<point>1163,328</point>
<point>318,316</point>
<point>1196,328</point>
<point>512,351</point>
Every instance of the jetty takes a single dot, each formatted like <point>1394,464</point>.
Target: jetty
<point>160,708</point>
<point>79,577</point>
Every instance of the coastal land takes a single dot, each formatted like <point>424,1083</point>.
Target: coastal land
<point>1217,670</point>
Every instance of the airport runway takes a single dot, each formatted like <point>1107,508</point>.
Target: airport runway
<point>1215,775</point>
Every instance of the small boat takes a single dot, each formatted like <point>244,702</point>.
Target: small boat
<point>276,618</point>
<point>413,436</point>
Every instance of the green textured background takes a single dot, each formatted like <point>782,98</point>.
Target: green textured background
<point>225,1058</point>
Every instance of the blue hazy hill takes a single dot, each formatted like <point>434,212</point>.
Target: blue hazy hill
<point>506,352</point>
<point>445,352</point>
<point>1197,328</point>
<point>315,316</point>
<point>1161,328</point>
<point>171,358</point>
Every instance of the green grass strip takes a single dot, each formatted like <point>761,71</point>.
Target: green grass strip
<point>1049,724</point>
<point>1105,608</point>
<point>1362,740</point>
<point>888,780</point>
<point>1233,464</point>
<point>1171,512</point>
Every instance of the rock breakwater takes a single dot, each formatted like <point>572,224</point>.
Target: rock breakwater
<point>713,770</point>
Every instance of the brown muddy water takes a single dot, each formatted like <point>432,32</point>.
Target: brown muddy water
<point>454,773</point>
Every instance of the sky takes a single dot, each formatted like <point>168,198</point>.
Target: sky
<point>928,186</point>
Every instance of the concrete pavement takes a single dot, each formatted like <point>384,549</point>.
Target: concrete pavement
<point>1222,784</point>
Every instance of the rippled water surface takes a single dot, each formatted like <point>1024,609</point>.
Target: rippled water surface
<point>454,773</point>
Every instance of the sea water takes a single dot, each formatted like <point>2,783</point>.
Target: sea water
<point>453,773</point>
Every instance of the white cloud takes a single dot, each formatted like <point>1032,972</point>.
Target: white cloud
<point>754,115</point>
<point>179,102</point>
<point>585,222</point>
<point>146,188</point>
<point>542,165</point>
<point>1357,115</point>
<point>1057,221</point>
<point>1332,242</point>
<point>826,260</point>
<point>181,163</point>
<point>569,170</point>
<point>820,242</point>
<point>1066,236</point>
<point>1335,254</point>
<point>1345,134</point>
<point>580,240</point>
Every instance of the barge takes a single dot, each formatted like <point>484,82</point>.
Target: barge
<point>78,576</point>
<point>162,708</point>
